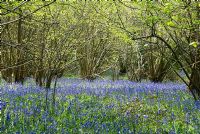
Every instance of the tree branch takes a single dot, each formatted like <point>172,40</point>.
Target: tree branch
<point>23,17</point>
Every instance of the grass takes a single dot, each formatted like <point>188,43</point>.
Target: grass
<point>101,106</point>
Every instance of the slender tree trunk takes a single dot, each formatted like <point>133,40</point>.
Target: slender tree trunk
<point>19,71</point>
<point>194,84</point>
<point>49,79</point>
<point>54,91</point>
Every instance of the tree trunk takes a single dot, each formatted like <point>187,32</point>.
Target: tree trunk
<point>194,85</point>
<point>19,72</point>
<point>48,81</point>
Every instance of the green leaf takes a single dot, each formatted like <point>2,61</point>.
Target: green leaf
<point>191,128</point>
<point>171,24</point>
<point>175,18</point>
<point>194,44</point>
<point>197,22</point>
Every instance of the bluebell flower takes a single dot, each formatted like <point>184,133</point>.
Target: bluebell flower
<point>197,104</point>
<point>172,115</point>
<point>172,132</point>
<point>164,121</point>
<point>126,131</point>
<point>187,118</point>
<point>2,105</point>
<point>32,133</point>
<point>8,116</point>
<point>127,113</point>
<point>145,116</point>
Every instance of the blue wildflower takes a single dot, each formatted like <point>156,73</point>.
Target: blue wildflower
<point>2,104</point>
<point>8,116</point>
<point>173,115</point>
<point>145,116</point>
<point>197,104</point>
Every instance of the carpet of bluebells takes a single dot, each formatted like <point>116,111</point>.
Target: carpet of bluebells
<point>100,106</point>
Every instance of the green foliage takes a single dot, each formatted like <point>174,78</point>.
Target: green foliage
<point>171,24</point>
<point>194,44</point>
